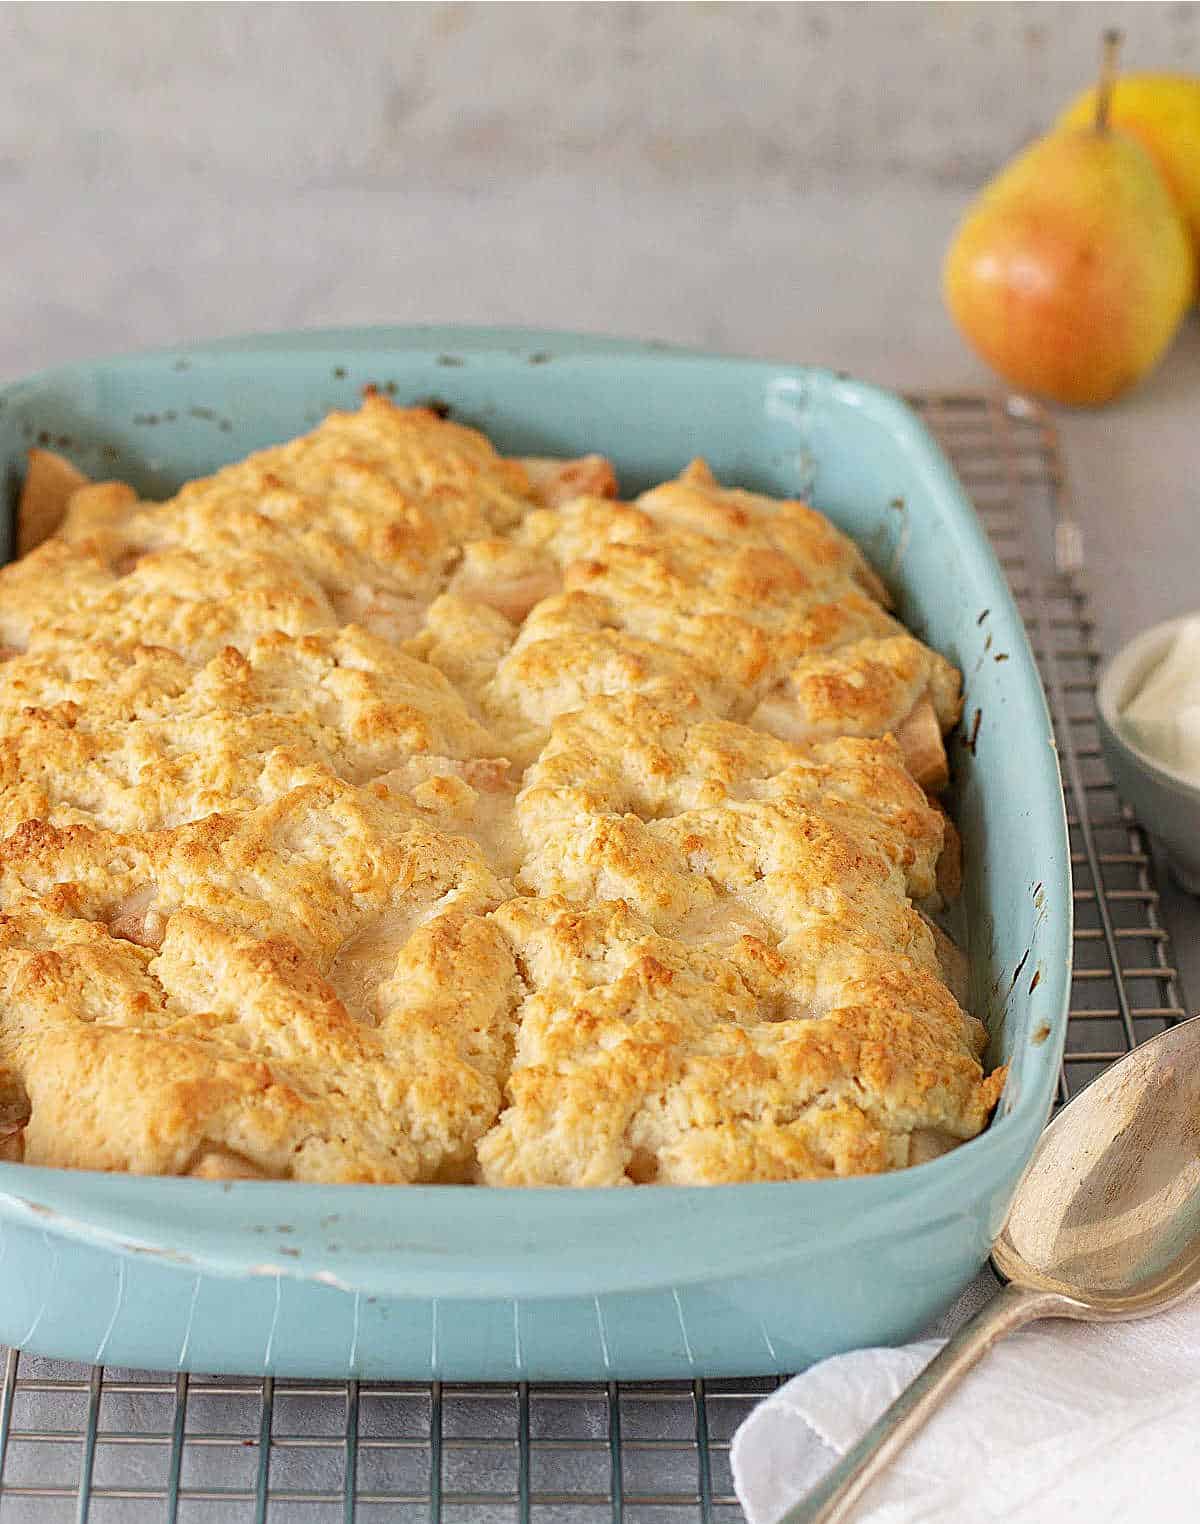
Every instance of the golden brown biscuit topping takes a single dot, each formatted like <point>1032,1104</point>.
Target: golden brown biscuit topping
<point>383,809</point>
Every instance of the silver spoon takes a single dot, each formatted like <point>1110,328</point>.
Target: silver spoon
<point>1105,1225</point>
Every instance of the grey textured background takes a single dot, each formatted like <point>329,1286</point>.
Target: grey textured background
<point>394,96</point>
<point>709,173</point>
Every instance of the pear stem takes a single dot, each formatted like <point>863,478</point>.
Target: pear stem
<point>1108,77</point>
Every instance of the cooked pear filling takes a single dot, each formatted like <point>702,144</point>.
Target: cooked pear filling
<point>383,809</point>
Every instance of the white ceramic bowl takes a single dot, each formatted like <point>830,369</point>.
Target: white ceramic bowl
<point>1166,801</point>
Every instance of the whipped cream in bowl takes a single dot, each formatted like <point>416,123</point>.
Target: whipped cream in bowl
<point>1163,716</point>
<point>1148,705</point>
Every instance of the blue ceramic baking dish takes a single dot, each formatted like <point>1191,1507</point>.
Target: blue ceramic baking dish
<point>445,1282</point>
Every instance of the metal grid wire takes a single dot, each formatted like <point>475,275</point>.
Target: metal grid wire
<point>86,1443</point>
<point>1125,988</point>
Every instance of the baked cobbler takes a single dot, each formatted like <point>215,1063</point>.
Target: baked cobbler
<point>383,809</point>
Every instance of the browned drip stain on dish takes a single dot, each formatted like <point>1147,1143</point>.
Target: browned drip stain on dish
<point>204,414</point>
<point>1040,1036</point>
<point>436,405</point>
<point>389,389</point>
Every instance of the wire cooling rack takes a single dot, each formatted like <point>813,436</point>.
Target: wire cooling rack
<point>1125,988</point>
<point>81,1443</point>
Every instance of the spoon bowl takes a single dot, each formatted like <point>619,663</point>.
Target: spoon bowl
<point>1108,1211</point>
<point>1104,1225</point>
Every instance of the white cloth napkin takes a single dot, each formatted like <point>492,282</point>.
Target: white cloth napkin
<point>1062,1423</point>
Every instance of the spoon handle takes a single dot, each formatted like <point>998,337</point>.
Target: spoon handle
<point>832,1499</point>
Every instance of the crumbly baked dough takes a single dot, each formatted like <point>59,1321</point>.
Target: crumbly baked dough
<point>383,809</point>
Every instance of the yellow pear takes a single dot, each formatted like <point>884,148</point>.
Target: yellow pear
<point>1073,269</point>
<point>1163,112</point>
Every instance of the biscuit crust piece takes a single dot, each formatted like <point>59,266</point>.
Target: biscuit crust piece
<point>50,483</point>
<point>385,809</point>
